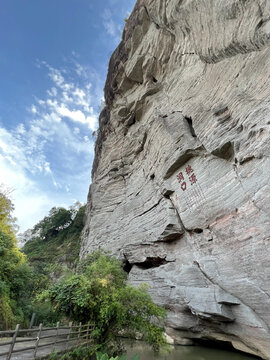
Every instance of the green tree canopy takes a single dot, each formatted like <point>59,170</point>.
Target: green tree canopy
<point>54,243</point>
<point>58,219</point>
<point>99,294</point>
<point>15,274</point>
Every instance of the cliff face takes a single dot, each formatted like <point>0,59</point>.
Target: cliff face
<point>180,186</point>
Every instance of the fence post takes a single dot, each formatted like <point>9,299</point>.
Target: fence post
<point>32,320</point>
<point>87,334</point>
<point>13,341</point>
<point>70,330</point>
<point>79,335</point>
<point>38,338</point>
<point>56,337</point>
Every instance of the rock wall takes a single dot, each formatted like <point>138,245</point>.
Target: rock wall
<point>180,187</point>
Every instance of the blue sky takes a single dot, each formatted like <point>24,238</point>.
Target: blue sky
<point>53,62</point>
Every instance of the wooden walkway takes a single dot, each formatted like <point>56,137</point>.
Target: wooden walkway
<point>37,343</point>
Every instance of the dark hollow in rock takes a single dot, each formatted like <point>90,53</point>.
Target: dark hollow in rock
<point>127,266</point>
<point>190,125</point>
<point>151,262</point>
<point>225,152</point>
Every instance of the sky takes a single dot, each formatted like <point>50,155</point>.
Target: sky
<point>54,57</point>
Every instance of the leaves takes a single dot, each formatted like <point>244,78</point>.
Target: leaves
<point>100,294</point>
<point>57,220</point>
<point>105,356</point>
<point>55,255</point>
<point>15,273</point>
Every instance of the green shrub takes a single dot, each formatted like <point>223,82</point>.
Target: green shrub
<point>105,356</point>
<point>16,276</point>
<point>87,353</point>
<point>100,294</point>
<point>55,245</point>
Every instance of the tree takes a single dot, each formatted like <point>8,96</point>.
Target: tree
<point>15,273</point>
<point>53,248</point>
<point>99,294</point>
<point>58,219</point>
<point>7,221</point>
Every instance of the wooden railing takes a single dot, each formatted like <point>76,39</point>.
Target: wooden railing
<point>70,336</point>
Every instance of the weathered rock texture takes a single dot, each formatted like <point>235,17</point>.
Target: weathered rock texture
<point>180,186</point>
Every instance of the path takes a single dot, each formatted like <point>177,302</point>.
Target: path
<point>43,350</point>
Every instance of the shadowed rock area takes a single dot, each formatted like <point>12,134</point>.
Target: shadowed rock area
<point>180,187</point>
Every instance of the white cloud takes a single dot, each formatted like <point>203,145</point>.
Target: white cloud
<point>52,92</point>
<point>69,100</point>
<point>48,157</point>
<point>79,69</point>
<point>76,131</point>
<point>31,204</point>
<point>33,109</point>
<point>112,28</point>
<point>55,75</point>
<point>107,14</point>
<point>47,167</point>
<point>78,116</point>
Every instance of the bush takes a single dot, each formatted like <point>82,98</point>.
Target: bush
<point>85,353</point>
<point>100,294</point>
<point>55,242</point>
<point>15,274</point>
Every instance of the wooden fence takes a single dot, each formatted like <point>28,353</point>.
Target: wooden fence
<point>69,336</point>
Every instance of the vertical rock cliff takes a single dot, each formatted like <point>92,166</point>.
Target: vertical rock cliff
<point>180,187</point>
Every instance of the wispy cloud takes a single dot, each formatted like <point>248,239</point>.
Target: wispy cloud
<point>112,28</point>
<point>67,99</point>
<point>52,148</point>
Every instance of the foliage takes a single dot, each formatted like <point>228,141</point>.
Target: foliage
<point>56,245</point>
<point>99,294</point>
<point>105,356</point>
<point>45,314</point>
<point>53,251</point>
<point>7,221</point>
<point>57,220</point>
<point>85,353</point>
<point>15,274</point>
<point>79,353</point>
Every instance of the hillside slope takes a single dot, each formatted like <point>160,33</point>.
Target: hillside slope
<point>55,245</point>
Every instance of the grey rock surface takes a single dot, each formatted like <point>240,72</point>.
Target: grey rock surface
<point>180,187</point>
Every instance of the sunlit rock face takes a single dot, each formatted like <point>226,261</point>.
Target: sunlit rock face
<point>181,188</point>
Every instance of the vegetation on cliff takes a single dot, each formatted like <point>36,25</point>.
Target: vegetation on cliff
<point>55,243</point>
<point>94,290</point>
<point>99,293</point>
<point>16,276</point>
<point>53,251</point>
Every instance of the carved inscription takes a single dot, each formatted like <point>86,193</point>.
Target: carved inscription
<point>188,181</point>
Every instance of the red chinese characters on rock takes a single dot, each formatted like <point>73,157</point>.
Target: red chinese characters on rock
<point>193,179</point>
<point>191,176</point>
<point>189,170</point>
<point>180,178</point>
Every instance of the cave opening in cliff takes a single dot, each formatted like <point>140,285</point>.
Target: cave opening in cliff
<point>216,344</point>
<point>151,262</point>
<point>127,266</point>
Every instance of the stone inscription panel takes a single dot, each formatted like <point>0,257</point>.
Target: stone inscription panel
<point>190,185</point>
